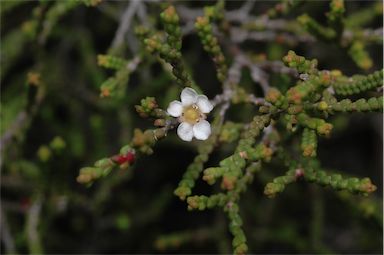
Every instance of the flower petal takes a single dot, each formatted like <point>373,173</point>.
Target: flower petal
<point>175,108</point>
<point>204,104</point>
<point>202,130</point>
<point>185,131</point>
<point>188,96</point>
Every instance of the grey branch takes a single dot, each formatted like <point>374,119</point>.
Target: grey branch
<point>33,218</point>
<point>125,23</point>
<point>242,13</point>
<point>6,236</point>
<point>17,124</point>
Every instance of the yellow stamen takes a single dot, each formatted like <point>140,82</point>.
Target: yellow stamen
<point>191,114</point>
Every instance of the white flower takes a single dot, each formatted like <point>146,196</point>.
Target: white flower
<point>191,113</point>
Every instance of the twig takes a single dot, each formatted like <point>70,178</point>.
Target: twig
<point>242,13</point>
<point>6,235</point>
<point>22,120</point>
<point>142,13</point>
<point>33,218</point>
<point>278,67</point>
<point>258,75</point>
<point>239,35</point>
<point>234,76</point>
<point>188,14</point>
<point>256,100</point>
<point>125,23</point>
<point>367,35</point>
<point>223,110</point>
<point>132,65</point>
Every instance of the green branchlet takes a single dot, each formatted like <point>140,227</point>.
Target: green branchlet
<point>170,20</point>
<point>111,62</point>
<point>230,132</point>
<point>114,86</point>
<point>336,16</point>
<point>100,169</point>
<point>300,63</point>
<point>229,202</point>
<point>346,105</point>
<point>154,44</point>
<point>172,56</point>
<point>169,50</point>
<point>337,10</point>
<point>336,181</point>
<point>233,180</point>
<point>215,12</point>
<point>317,124</point>
<point>232,208</point>
<point>203,202</point>
<point>247,178</point>
<point>357,84</point>
<point>149,108</point>
<point>334,32</point>
<point>249,136</point>
<point>193,171</point>
<point>230,168</point>
<point>275,97</point>
<point>239,241</point>
<point>142,142</point>
<point>306,88</point>
<point>108,87</point>
<point>142,32</point>
<point>211,45</point>
<point>53,15</point>
<point>309,142</point>
<point>364,16</point>
<point>313,27</point>
<point>360,55</point>
<point>278,184</point>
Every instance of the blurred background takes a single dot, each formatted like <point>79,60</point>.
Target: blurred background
<point>53,122</point>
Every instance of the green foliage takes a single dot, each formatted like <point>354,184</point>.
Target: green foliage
<point>335,181</point>
<point>277,121</point>
<point>309,142</point>
<point>357,84</point>
<point>170,50</point>
<point>316,29</point>
<point>211,45</point>
<point>170,21</point>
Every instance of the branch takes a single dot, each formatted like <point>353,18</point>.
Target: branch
<point>33,218</point>
<point>125,23</point>
<point>6,236</point>
<point>34,99</point>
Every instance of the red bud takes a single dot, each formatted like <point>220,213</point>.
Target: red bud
<point>127,158</point>
<point>25,203</point>
<point>299,173</point>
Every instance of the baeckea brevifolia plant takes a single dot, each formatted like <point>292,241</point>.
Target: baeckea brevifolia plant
<point>303,109</point>
<point>277,83</point>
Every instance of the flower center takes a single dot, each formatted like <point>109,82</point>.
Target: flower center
<point>191,114</point>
